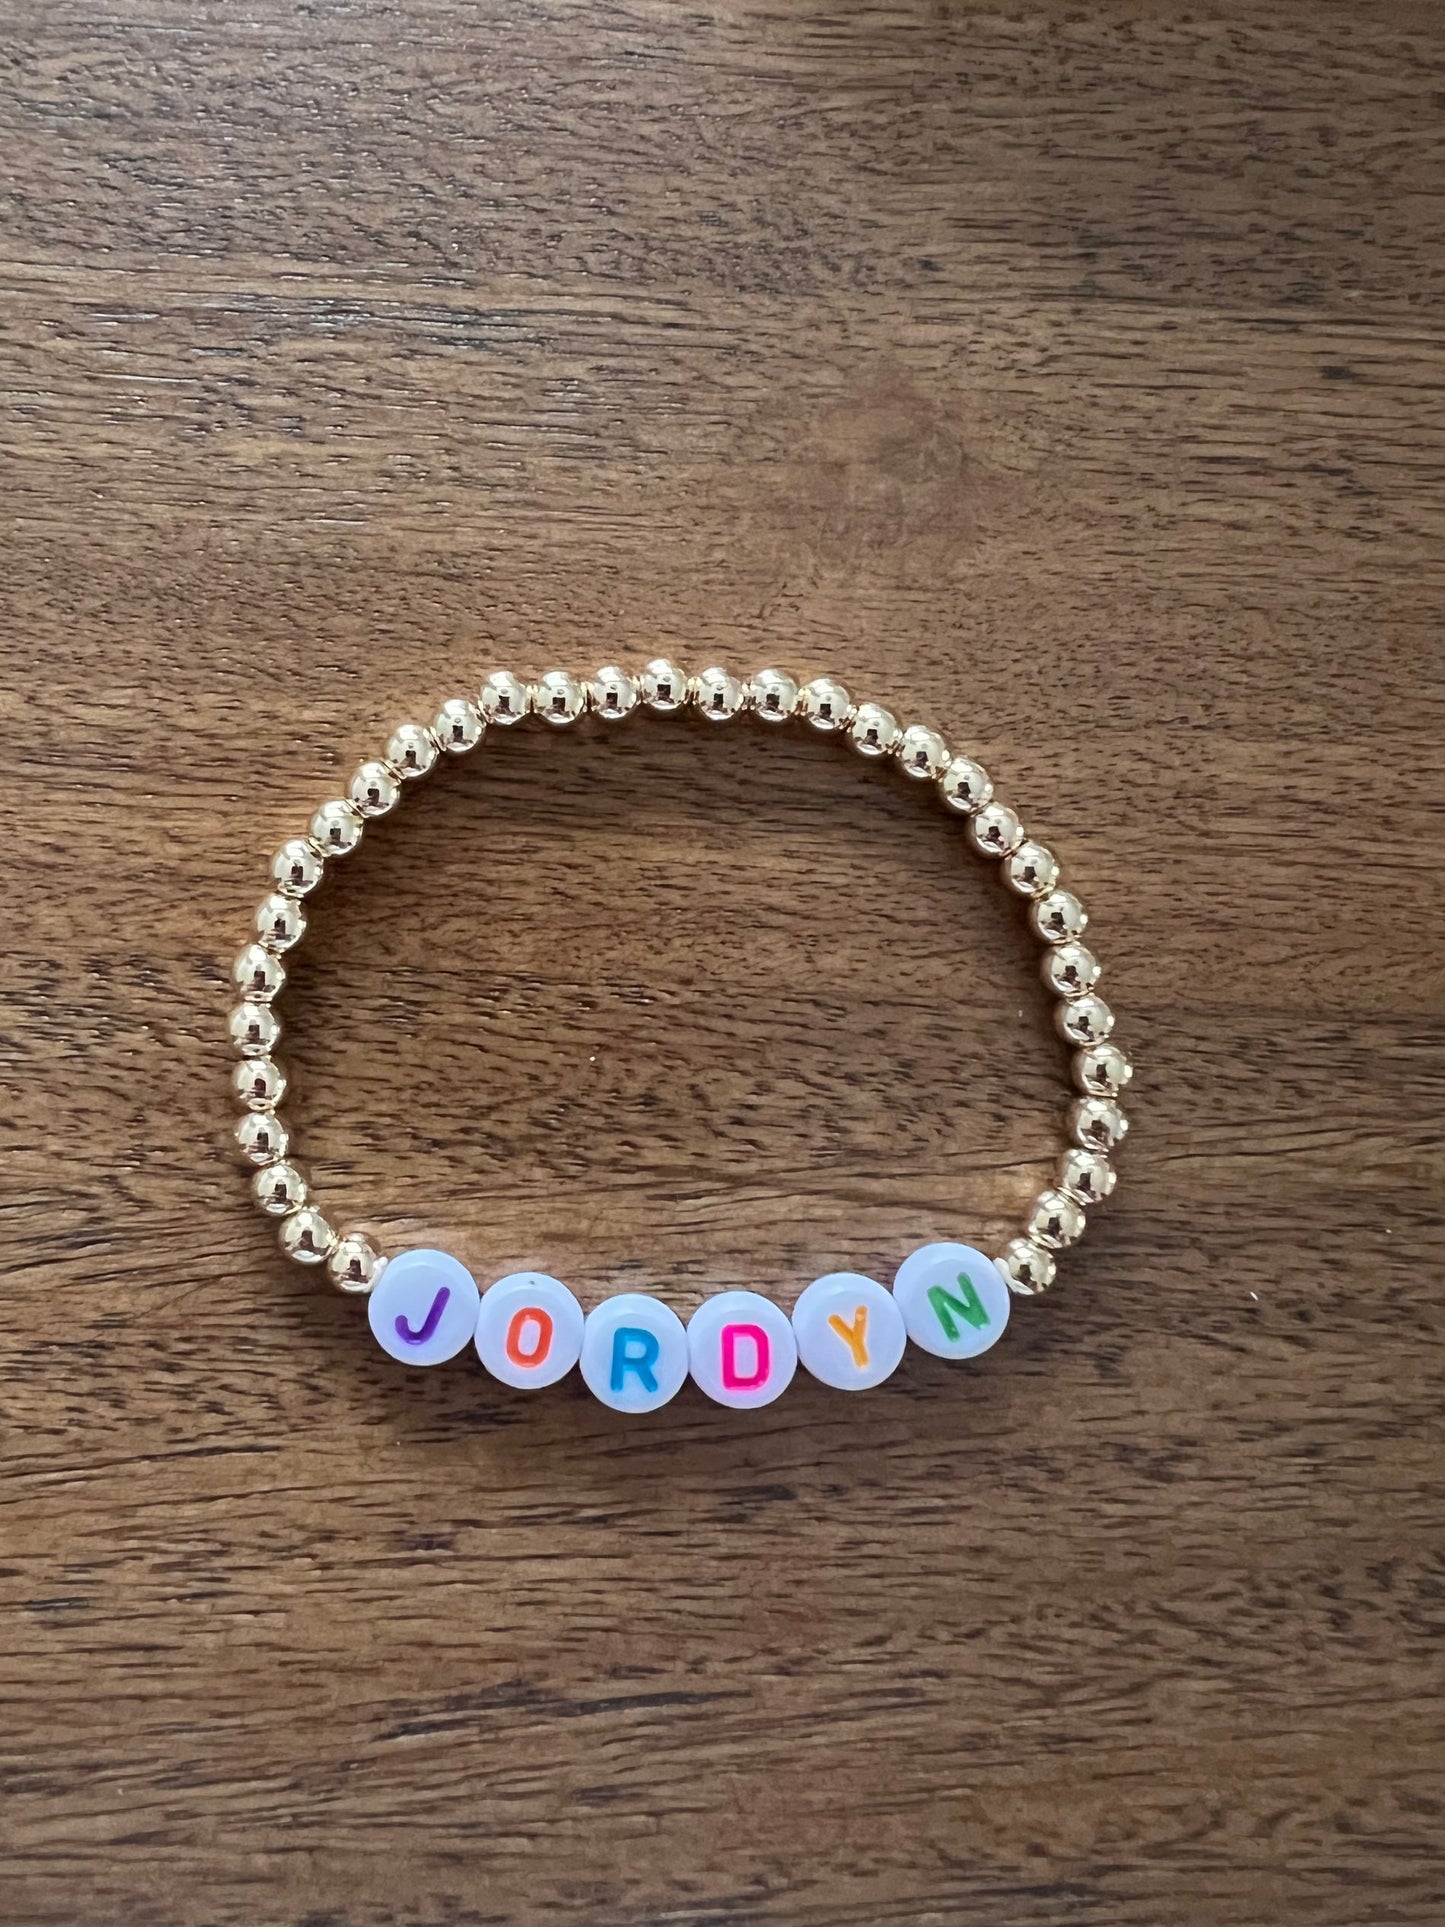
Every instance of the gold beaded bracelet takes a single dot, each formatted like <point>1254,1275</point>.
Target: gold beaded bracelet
<point>633,1350</point>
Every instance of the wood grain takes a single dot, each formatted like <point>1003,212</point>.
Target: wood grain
<point>1071,376</point>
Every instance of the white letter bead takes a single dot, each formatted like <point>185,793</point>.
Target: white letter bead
<point>423,1308</point>
<point>529,1331</point>
<point>849,1330</point>
<point>634,1352</point>
<point>953,1299</point>
<point>741,1348</point>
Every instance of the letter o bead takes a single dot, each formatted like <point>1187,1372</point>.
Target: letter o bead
<point>634,1352</point>
<point>423,1308</point>
<point>954,1300</point>
<point>850,1331</point>
<point>742,1350</point>
<point>529,1330</point>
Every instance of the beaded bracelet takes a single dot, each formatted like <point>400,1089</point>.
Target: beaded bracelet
<point>741,1348</point>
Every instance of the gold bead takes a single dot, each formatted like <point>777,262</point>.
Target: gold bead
<point>375,788</point>
<point>412,751</point>
<point>612,693</point>
<point>558,698</point>
<point>1084,1020</point>
<point>262,1137</point>
<point>258,973</point>
<point>1102,1070</point>
<point>504,698</point>
<point>1087,1176</point>
<point>717,694</point>
<point>662,685</point>
<point>279,1188</point>
<point>1027,1268</point>
<point>965,786</point>
<point>259,1082</point>
<point>772,695</point>
<point>1070,970</point>
<point>1098,1124</point>
<point>355,1264</point>
<point>1031,870</point>
<point>297,867</point>
<point>825,705</point>
<point>254,1029</point>
<point>306,1236</point>
<point>458,726</point>
<point>280,921</point>
<point>874,730</point>
<point>994,830</point>
<point>1059,917</point>
<point>922,752</point>
<point>336,827</point>
<point>1054,1221</point>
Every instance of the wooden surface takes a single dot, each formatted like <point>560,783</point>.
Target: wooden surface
<point>1071,375</point>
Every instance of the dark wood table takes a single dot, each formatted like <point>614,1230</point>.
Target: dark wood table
<point>1070,377</point>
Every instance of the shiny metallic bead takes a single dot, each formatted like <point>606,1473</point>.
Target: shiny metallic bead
<point>1059,917</point>
<point>262,1137</point>
<point>773,695</point>
<point>375,788</point>
<point>1084,1020</point>
<point>258,973</point>
<point>1087,1176</point>
<point>307,1237</point>
<point>1098,1124</point>
<point>504,698</point>
<point>1069,969</point>
<point>254,1029</point>
<point>336,827</point>
<point>1031,870</point>
<point>612,694</point>
<point>297,867</point>
<point>355,1264</point>
<point>825,704</point>
<point>280,921</point>
<point>965,786</point>
<point>921,752</point>
<point>662,685</point>
<point>994,830</point>
<point>1027,1268</point>
<point>412,751</point>
<point>1102,1070</point>
<point>458,725</point>
<point>558,698</point>
<point>717,694</point>
<point>279,1188</point>
<point>874,730</point>
<point>1055,1220</point>
<point>259,1082</point>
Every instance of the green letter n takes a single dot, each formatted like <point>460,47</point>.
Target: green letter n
<point>969,1307</point>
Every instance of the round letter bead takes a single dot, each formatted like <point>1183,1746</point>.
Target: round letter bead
<point>529,1331</point>
<point>953,1299</point>
<point>423,1307</point>
<point>742,1349</point>
<point>849,1330</point>
<point>634,1352</point>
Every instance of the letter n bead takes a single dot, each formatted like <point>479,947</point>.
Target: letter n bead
<point>954,1300</point>
<point>634,1352</point>
<point>742,1349</point>
<point>529,1330</point>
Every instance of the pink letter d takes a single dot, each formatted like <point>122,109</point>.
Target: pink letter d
<point>733,1380</point>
